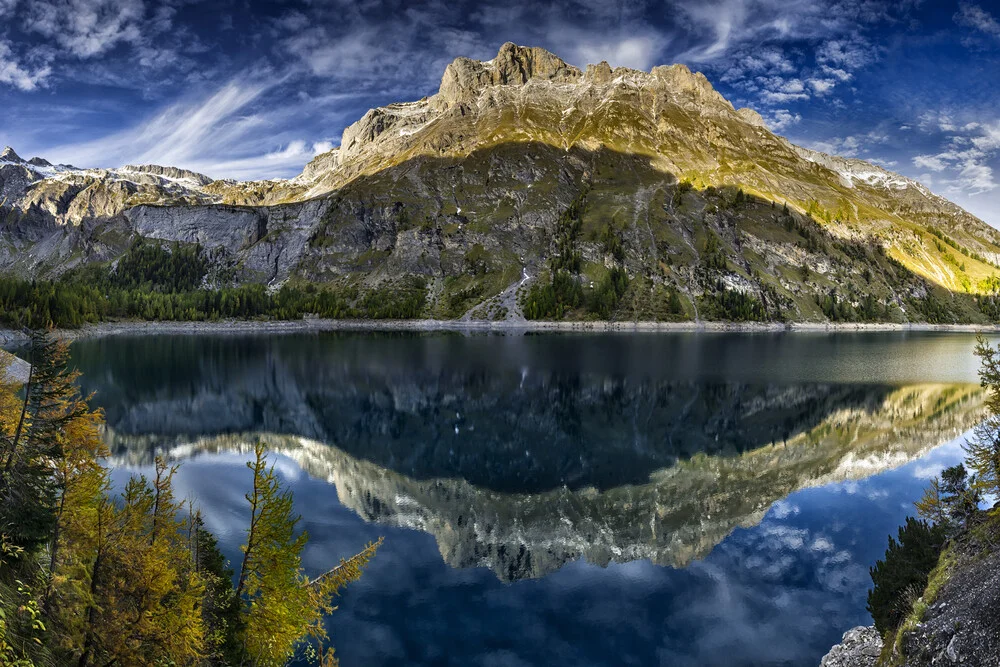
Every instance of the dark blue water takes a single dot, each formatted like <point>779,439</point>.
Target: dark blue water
<point>562,499</point>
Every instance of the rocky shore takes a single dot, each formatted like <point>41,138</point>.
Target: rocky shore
<point>13,368</point>
<point>14,337</point>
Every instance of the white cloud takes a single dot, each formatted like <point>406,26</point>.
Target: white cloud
<point>781,119</point>
<point>779,90</point>
<point>749,42</point>
<point>848,54</point>
<point>218,135</point>
<point>86,28</point>
<point>320,147</point>
<point>973,16</point>
<point>21,76</point>
<point>822,86</point>
<point>850,146</point>
<point>937,121</point>
<point>634,52</point>
<point>989,139</point>
<point>836,73</point>
<point>976,178</point>
<point>963,167</point>
<point>932,162</point>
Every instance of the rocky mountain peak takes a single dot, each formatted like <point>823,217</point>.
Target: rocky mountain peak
<point>680,79</point>
<point>514,65</point>
<point>8,155</point>
<point>751,116</point>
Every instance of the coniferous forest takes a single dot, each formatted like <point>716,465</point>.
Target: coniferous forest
<point>153,282</point>
<point>93,575</point>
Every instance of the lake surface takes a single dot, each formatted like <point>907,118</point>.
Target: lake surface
<point>562,499</point>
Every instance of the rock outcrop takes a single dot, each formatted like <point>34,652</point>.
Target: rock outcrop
<point>961,626</point>
<point>13,369</point>
<point>860,647</point>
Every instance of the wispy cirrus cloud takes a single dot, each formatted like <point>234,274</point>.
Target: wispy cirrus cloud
<point>219,134</point>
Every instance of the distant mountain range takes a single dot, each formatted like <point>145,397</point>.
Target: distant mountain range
<point>527,187</point>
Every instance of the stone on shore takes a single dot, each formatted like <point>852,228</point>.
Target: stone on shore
<point>13,368</point>
<point>860,647</point>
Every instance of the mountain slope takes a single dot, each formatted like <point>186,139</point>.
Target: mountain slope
<point>528,187</point>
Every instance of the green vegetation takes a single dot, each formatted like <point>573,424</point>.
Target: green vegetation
<point>565,292</point>
<point>151,282</point>
<point>917,565</point>
<point>91,577</point>
<point>730,304</point>
<point>852,309</point>
<point>901,576</point>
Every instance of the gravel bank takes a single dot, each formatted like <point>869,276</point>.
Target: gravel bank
<point>11,337</point>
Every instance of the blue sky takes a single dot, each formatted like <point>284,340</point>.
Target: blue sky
<point>241,89</point>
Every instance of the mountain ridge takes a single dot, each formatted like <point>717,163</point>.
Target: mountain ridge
<point>671,191</point>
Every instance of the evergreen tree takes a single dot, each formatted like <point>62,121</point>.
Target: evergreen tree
<point>90,579</point>
<point>901,576</point>
<point>28,490</point>
<point>960,495</point>
<point>221,609</point>
<point>281,606</point>
<point>983,449</point>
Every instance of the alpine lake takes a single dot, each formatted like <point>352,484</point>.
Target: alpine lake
<point>561,498</point>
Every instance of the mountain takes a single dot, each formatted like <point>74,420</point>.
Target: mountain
<point>676,515</point>
<point>528,187</point>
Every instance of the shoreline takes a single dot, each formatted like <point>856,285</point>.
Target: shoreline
<point>103,329</point>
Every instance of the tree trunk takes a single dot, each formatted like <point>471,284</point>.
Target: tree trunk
<point>54,554</point>
<point>9,464</point>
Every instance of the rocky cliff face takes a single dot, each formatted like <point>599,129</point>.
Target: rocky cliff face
<point>465,189</point>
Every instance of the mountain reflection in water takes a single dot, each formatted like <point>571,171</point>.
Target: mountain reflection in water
<point>532,488</point>
<point>521,468</point>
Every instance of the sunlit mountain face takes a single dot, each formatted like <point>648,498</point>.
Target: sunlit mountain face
<point>114,82</point>
<point>556,472</point>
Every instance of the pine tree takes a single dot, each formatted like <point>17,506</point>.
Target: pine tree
<point>932,507</point>
<point>221,609</point>
<point>130,580</point>
<point>28,491</point>
<point>960,495</point>
<point>145,593</point>
<point>281,606</point>
<point>983,449</point>
<point>901,576</point>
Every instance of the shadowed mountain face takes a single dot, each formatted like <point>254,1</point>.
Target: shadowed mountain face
<point>521,453</point>
<point>469,192</point>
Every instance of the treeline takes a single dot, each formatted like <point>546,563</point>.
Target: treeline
<point>853,309</point>
<point>907,578</point>
<point>151,282</point>
<point>90,576</point>
<point>732,305</point>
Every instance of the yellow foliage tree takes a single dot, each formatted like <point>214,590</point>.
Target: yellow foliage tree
<point>282,606</point>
